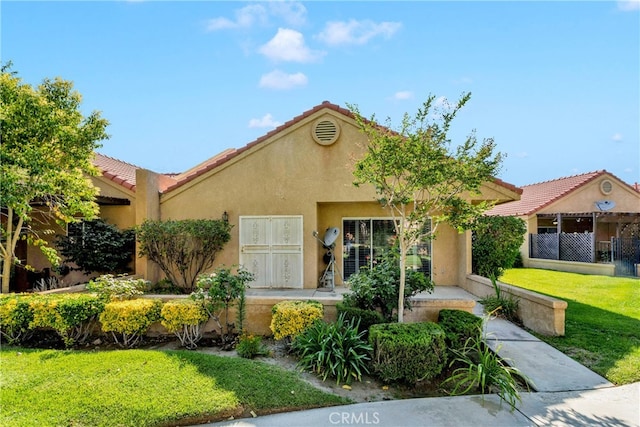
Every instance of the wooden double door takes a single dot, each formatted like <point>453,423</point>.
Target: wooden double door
<point>271,248</point>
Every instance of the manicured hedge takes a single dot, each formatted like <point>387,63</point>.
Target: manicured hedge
<point>408,352</point>
<point>459,326</point>
<point>129,320</point>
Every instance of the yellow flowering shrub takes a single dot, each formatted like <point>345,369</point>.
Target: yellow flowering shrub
<point>70,315</point>
<point>290,318</point>
<point>128,320</point>
<point>15,317</point>
<point>177,313</point>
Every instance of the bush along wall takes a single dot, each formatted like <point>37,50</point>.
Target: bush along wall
<point>290,318</point>
<point>408,352</point>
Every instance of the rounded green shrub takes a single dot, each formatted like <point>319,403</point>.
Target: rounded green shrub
<point>459,326</point>
<point>408,352</point>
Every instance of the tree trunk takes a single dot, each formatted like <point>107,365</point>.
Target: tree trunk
<point>9,249</point>
<point>403,274</point>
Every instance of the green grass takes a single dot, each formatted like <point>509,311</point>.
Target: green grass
<point>602,321</point>
<point>142,388</point>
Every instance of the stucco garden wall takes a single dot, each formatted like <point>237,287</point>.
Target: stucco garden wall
<point>540,313</point>
<point>571,267</point>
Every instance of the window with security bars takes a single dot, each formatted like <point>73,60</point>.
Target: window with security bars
<point>366,239</point>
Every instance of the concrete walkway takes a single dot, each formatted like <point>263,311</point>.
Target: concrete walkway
<point>566,394</point>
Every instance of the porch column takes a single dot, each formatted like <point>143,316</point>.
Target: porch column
<point>147,207</point>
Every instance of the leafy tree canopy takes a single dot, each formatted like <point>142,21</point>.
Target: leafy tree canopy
<point>45,157</point>
<point>420,177</point>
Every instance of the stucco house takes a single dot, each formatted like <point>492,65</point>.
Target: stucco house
<point>587,223</point>
<point>277,192</point>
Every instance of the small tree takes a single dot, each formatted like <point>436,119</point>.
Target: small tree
<point>97,246</point>
<point>419,178</point>
<point>496,244</point>
<point>45,157</point>
<point>183,249</point>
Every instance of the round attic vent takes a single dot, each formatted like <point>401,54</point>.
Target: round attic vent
<point>325,131</point>
<point>606,186</point>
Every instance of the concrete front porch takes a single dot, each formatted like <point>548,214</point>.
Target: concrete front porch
<point>425,306</point>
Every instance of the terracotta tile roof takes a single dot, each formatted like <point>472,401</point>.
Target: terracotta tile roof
<point>116,170</point>
<point>537,196</point>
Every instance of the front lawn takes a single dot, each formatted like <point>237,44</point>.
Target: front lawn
<point>143,388</point>
<point>602,324</point>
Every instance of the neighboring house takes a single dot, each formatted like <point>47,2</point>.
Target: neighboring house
<point>276,192</point>
<point>588,223</point>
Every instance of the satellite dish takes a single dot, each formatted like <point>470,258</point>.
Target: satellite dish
<point>330,236</point>
<point>605,205</point>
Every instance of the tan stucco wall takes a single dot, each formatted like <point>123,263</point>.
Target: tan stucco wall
<point>540,313</point>
<point>291,174</point>
<point>584,198</point>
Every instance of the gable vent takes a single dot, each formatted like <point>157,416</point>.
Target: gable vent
<point>325,131</point>
<point>606,186</point>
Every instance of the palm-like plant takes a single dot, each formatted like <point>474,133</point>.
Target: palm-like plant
<point>334,350</point>
<point>481,369</point>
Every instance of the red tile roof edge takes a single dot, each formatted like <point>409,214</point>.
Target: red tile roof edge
<point>114,177</point>
<point>296,119</point>
<point>287,124</point>
<point>508,186</point>
<point>587,178</point>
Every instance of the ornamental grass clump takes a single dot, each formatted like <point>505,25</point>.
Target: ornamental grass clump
<point>72,316</point>
<point>15,317</point>
<point>481,369</point>
<point>290,318</point>
<point>129,320</point>
<point>185,319</point>
<point>334,350</point>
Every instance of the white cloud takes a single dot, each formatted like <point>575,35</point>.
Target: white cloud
<point>628,5</point>
<point>617,137</point>
<point>292,12</point>
<point>356,32</point>
<point>522,155</point>
<point>404,94</point>
<point>288,45</point>
<point>281,80</point>
<point>245,18</point>
<point>265,122</point>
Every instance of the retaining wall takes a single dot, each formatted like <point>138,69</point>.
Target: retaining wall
<point>540,313</point>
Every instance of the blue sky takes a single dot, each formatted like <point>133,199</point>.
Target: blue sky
<point>556,84</point>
